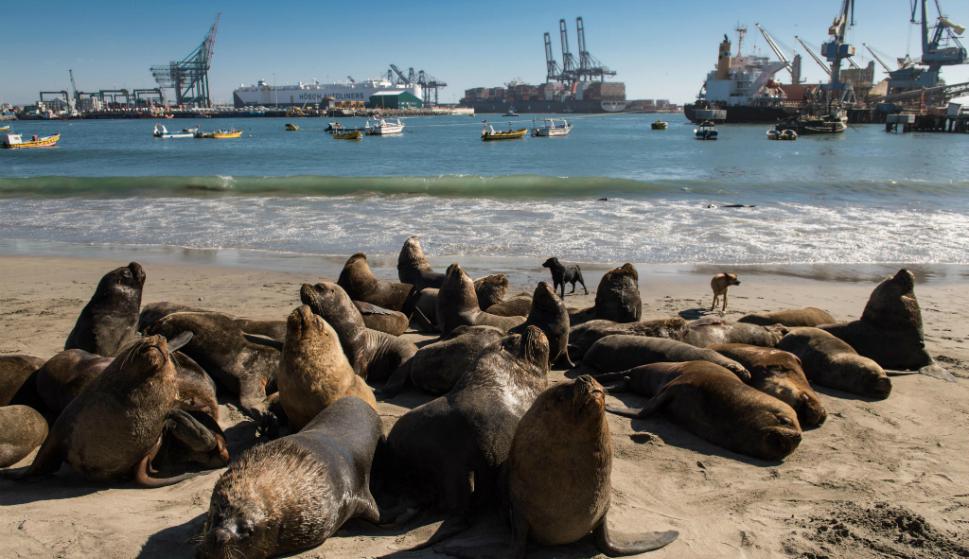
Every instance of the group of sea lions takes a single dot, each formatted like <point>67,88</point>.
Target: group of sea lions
<point>136,386</point>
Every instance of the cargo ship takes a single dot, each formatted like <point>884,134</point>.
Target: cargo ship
<point>742,89</point>
<point>263,94</point>
<point>551,97</point>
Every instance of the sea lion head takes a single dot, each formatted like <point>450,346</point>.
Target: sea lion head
<point>533,347</point>
<point>303,326</point>
<point>544,298</point>
<point>327,299</point>
<point>457,280</point>
<point>893,304</point>
<point>126,282</point>
<point>412,256</point>
<point>146,358</point>
<point>491,289</point>
<point>356,277</point>
<point>779,432</point>
<point>785,380</point>
<point>617,296</point>
<point>573,408</point>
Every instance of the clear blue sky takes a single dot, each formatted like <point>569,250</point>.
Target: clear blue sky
<point>660,49</point>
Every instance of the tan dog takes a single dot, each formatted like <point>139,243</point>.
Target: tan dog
<point>719,284</point>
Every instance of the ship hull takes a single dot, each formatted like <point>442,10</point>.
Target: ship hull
<point>312,94</point>
<point>739,114</point>
<point>533,107</point>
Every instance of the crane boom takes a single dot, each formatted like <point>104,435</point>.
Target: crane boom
<point>814,56</point>
<point>876,57</point>
<point>774,47</point>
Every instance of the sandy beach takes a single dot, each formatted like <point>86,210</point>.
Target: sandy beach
<point>878,479</point>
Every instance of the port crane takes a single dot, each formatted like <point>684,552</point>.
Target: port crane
<point>940,47</point>
<point>793,67</point>
<point>589,66</point>
<point>189,77</point>
<point>568,61</point>
<point>876,57</point>
<point>552,70</point>
<point>817,59</point>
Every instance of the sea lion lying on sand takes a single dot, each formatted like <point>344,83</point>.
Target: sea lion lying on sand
<point>831,362</point>
<point>617,297</point>
<point>358,281</point>
<point>808,316</point>
<point>15,372</point>
<point>457,305</point>
<point>383,320</point>
<point>519,305</point>
<point>109,320</point>
<point>490,290</point>
<point>621,352</point>
<point>712,403</point>
<point>153,312</point>
<point>22,430</point>
<point>890,329</point>
<point>582,336</point>
<point>711,330</point>
<point>559,473</point>
<point>293,493</point>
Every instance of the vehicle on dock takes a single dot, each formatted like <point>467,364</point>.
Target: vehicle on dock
<point>348,135</point>
<point>489,134</point>
<point>659,125</point>
<point>290,127</point>
<point>161,132</point>
<point>706,131</point>
<point>786,134</point>
<point>16,141</point>
<point>381,127</point>
<point>552,127</point>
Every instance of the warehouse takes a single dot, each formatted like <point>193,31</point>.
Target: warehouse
<point>395,100</point>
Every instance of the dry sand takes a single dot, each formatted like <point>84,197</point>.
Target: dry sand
<point>878,479</point>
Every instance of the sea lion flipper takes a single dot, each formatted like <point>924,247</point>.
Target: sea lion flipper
<point>617,545</point>
<point>259,339</point>
<point>367,509</point>
<point>141,472</point>
<point>180,341</point>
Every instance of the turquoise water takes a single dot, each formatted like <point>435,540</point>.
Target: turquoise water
<point>612,190</point>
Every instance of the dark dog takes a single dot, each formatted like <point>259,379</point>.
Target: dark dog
<point>564,273</point>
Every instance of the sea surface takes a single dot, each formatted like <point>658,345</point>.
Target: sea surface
<point>612,191</point>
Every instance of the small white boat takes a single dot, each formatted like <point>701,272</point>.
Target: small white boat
<point>706,131</point>
<point>382,127</point>
<point>552,127</point>
<point>163,133</point>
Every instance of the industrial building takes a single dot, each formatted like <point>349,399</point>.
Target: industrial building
<point>395,100</point>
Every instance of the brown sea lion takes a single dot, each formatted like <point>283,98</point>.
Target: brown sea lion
<point>361,285</point>
<point>22,430</point>
<point>518,305</point>
<point>559,473</point>
<point>377,318</point>
<point>620,352</point>
<point>373,355</point>
<point>490,290</point>
<point>829,361</point>
<point>437,446</point>
<point>808,316</point>
<point>437,366</point>
<point>15,372</point>
<point>617,297</point>
<point>153,312</point>
<point>548,312</point>
<point>890,329</point>
<point>778,373</point>
<point>113,429</point>
<point>414,268</point>
<point>293,493</point>
<point>192,438</point>
<point>711,330</point>
<point>109,320</point>
<point>243,368</point>
<point>457,305</point>
<point>314,371</point>
<point>712,403</point>
<point>423,307</point>
<point>582,336</point>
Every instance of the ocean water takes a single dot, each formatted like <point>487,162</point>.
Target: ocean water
<point>612,191</point>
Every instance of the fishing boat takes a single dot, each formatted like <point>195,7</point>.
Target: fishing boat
<point>659,125</point>
<point>552,127</point>
<point>381,127</point>
<point>835,122</point>
<point>15,141</point>
<point>220,134</point>
<point>786,134</point>
<point>4,128</point>
<point>348,135</point>
<point>511,112</point>
<point>489,134</point>
<point>333,127</point>
<point>290,127</point>
<point>161,132</point>
<point>706,131</point>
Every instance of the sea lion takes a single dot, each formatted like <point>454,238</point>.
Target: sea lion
<point>192,438</point>
<point>808,316</point>
<point>109,320</point>
<point>423,307</point>
<point>377,318</point>
<point>15,372</point>
<point>153,312</point>
<point>490,290</point>
<point>113,429</point>
<point>829,361</point>
<point>548,312</point>
<point>361,285</point>
<point>712,403</point>
<point>890,329</point>
<point>620,352</point>
<point>436,367</point>
<point>518,305</point>
<point>293,493</point>
<point>778,373</point>
<point>22,430</point>
<point>373,355</point>
<point>582,336</point>
<point>414,268</point>
<point>559,470</point>
<point>438,445</point>
<point>220,347</point>
<point>617,297</point>
<point>314,371</point>
<point>711,330</point>
<point>457,305</point>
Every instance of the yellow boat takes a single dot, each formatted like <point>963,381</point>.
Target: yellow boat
<point>290,127</point>
<point>15,141</point>
<point>226,134</point>
<point>4,129</point>
<point>349,135</point>
<point>489,134</point>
